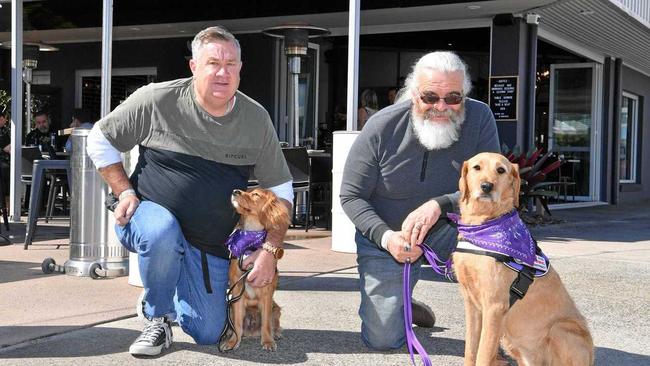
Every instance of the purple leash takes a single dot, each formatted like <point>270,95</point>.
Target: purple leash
<point>441,268</point>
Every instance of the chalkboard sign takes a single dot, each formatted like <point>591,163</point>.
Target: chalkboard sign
<point>503,97</point>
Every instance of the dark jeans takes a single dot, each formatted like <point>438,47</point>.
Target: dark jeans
<point>381,282</point>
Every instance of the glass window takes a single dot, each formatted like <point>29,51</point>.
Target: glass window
<point>628,138</point>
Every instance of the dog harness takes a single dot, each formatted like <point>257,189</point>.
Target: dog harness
<point>506,239</point>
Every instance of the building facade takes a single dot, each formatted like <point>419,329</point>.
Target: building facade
<point>571,77</point>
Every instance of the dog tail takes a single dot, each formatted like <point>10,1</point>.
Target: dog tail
<point>571,344</point>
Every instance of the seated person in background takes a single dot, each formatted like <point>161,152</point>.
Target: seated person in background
<point>81,118</point>
<point>5,150</point>
<point>369,106</point>
<point>392,93</point>
<point>40,135</point>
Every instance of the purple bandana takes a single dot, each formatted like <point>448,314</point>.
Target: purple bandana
<point>242,242</point>
<point>506,235</point>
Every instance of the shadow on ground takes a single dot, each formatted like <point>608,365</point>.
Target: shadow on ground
<point>608,356</point>
<point>294,347</point>
<point>20,271</point>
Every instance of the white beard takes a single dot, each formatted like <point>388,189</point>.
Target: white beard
<point>438,135</point>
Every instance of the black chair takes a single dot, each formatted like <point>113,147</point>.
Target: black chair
<point>3,206</point>
<point>298,162</point>
<point>320,194</point>
<point>29,154</point>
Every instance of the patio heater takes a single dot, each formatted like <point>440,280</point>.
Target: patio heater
<point>296,39</point>
<point>29,64</point>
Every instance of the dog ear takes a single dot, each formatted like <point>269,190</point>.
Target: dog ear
<point>274,214</point>
<point>462,183</point>
<point>516,183</point>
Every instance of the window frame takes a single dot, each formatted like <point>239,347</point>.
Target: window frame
<point>633,125</point>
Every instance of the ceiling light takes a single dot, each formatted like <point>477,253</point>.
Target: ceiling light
<point>473,7</point>
<point>41,46</point>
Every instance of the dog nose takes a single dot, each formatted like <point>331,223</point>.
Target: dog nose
<point>236,192</point>
<point>486,187</point>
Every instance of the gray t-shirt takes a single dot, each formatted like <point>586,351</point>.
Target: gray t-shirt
<point>190,161</point>
<point>389,173</point>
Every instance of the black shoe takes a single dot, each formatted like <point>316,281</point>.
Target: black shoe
<point>422,314</point>
<point>156,336</point>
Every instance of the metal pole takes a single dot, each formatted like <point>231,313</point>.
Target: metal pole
<point>353,64</point>
<point>28,98</point>
<point>296,110</point>
<point>531,64</point>
<point>16,107</point>
<point>107,47</point>
<point>107,50</point>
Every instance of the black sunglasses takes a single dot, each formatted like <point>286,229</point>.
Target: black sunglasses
<point>433,98</point>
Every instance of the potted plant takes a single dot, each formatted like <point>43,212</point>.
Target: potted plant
<point>534,167</point>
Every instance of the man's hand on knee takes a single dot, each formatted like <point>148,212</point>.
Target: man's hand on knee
<point>125,209</point>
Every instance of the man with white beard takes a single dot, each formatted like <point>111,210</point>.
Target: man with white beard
<point>399,182</point>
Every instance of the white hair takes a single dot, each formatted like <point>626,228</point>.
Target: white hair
<point>443,61</point>
<point>213,34</point>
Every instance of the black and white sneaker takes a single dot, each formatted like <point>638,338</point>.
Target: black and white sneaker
<point>156,336</point>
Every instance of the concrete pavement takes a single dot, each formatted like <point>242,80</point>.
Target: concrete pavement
<point>602,254</point>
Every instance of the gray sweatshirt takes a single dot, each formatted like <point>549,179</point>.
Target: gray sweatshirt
<point>389,173</point>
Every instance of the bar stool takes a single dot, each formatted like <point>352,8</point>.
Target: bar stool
<point>41,167</point>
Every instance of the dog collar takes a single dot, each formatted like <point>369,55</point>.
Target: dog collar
<point>242,242</point>
<point>506,235</point>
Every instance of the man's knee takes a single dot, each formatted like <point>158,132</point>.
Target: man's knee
<point>204,333</point>
<point>383,339</point>
<point>158,226</point>
<point>382,325</point>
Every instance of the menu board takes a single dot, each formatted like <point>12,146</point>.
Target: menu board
<point>503,97</point>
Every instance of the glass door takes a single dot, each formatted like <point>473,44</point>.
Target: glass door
<point>574,125</point>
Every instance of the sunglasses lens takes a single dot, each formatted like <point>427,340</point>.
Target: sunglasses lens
<point>433,98</point>
<point>453,99</point>
<point>430,98</point>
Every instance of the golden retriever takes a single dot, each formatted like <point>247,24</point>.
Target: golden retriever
<point>543,328</point>
<point>255,312</point>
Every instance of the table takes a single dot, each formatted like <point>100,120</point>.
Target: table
<point>41,167</point>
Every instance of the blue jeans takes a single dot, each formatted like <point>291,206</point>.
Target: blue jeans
<point>172,276</point>
<point>381,281</point>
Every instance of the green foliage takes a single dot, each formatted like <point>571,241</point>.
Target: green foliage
<point>534,167</point>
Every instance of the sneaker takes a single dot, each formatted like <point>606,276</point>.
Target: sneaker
<point>422,314</point>
<point>157,334</point>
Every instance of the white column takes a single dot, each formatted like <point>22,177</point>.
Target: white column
<point>353,64</point>
<point>342,227</point>
<point>16,107</point>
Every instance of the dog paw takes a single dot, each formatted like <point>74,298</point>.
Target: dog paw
<point>230,345</point>
<point>277,334</point>
<point>269,346</point>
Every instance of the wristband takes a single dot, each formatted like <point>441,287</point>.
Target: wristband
<point>125,193</point>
